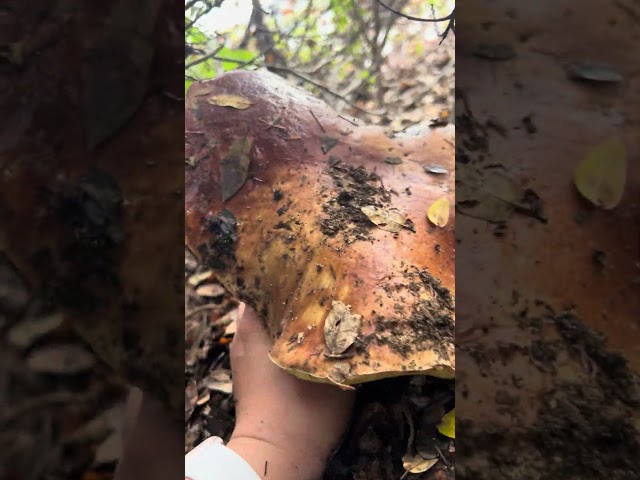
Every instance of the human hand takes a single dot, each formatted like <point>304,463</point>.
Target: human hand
<point>285,427</point>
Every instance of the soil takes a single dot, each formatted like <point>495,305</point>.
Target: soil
<point>430,323</point>
<point>356,188</point>
<point>584,427</point>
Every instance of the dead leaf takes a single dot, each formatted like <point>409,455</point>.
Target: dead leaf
<point>388,220</point>
<point>234,168</point>
<point>24,333</point>
<point>197,90</point>
<point>328,143</point>
<point>496,52</point>
<point>492,196</point>
<point>190,398</point>
<point>211,290</point>
<point>341,328</point>
<point>197,278</point>
<point>417,464</point>
<point>438,212</point>
<point>393,160</point>
<point>231,328</point>
<point>219,381</point>
<point>62,359</point>
<point>233,101</point>
<point>206,396</point>
<point>436,169</point>
<point>595,72</point>
<point>602,174</point>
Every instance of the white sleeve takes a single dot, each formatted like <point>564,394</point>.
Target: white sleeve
<point>211,460</point>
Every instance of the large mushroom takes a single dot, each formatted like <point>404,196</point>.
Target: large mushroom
<point>321,226</point>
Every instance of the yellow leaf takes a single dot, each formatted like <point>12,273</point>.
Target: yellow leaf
<point>447,425</point>
<point>438,212</point>
<point>601,175</point>
<point>234,101</point>
<point>417,464</point>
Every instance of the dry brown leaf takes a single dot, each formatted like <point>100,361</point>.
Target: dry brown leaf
<point>190,398</point>
<point>595,72</point>
<point>417,464</point>
<point>219,381</point>
<point>231,328</point>
<point>24,333</point>
<point>234,167</point>
<point>211,290</point>
<point>206,396</point>
<point>197,278</point>
<point>388,220</point>
<point>62,359</point>
<point>233,101</point>
<point>196,91</point>
<point>341,328</point>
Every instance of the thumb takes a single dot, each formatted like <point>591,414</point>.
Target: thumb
<point>250,333</point>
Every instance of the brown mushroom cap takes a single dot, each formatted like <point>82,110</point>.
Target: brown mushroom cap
<point>291,240</point>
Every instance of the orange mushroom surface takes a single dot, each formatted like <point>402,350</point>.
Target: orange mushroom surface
<point>321,226</point>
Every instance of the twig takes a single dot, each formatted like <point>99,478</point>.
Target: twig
<point>350,121</point>
<point>204,58</point>
<point>318,121</point>
<point>324,89</point>
<point>417,19</point>
<point>442,456</point>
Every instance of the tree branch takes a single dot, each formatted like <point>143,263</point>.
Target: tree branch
<point>417,19</point>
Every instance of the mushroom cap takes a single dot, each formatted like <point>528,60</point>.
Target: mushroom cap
<point>275,187</point>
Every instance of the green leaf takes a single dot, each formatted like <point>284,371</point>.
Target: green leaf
<point>239,54</point>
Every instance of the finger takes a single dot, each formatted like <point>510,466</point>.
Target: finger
<point>250,335</point>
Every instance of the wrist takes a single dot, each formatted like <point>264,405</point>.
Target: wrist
<point>272,459</point>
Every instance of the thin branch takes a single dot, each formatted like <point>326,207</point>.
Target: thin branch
<point>203,58</point>
<point>417,19</point>
<point>324,89</point>
<point>190,4</point>
<point>303,78</point>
